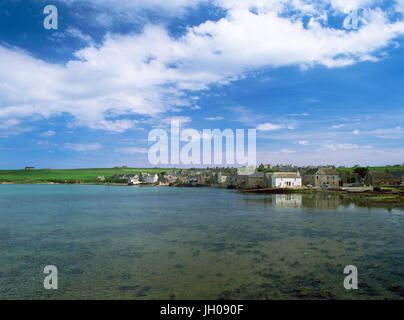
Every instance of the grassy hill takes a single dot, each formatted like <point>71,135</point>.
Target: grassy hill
<point>67,175</point>
<point>391,168</point>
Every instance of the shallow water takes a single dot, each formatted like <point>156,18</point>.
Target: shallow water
<point>194,243</point>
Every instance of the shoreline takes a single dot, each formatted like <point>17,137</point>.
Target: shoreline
<point>361,196</point>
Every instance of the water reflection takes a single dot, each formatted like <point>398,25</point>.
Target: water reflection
<point>287,200</point>
<point>317,201</point>
<point>194,243</point>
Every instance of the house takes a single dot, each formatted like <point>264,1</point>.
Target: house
<point>321,176</point>
<point>398,176</point>
<point>151,178</point>
<point>379,178</point>
<point>221,178</point>
<point>170,177</point>
<point>29,168</point>
<point>206,178</point>
<point>285,180</point>
<point>133,180</point>
<point>255,181</point>
<point>101,178</point>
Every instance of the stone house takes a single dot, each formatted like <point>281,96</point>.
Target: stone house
<point>321,176</point>
<point>170,177</point>
<point>398,176</point>
<point>151,178</point>
<point>256,180</point>
<point>379,178</point>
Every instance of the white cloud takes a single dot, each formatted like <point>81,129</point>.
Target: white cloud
<point>303,142</point>
<point>47,134</point>
<point>304,114</point>
<point>349,157</point>
<point>139,4</point>
<point>181,120</point>
<point>76,33</point>
<point>272,127</point>
<point>287,151</point>
<point>132,150</point>
<point>151,73</point>
<point>356,132</point>
<point>214,118</point>
<point>346,146</point>
<point>338,126</point>
<point>42,142</point>
<point>82,146</point>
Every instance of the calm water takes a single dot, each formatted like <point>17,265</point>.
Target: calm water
<point>194,243</point>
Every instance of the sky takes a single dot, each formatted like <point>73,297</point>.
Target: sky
<point>317,90</point>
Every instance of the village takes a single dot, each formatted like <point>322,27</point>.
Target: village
<point>267,177</point>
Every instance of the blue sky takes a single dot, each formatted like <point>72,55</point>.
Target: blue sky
<point>89,93</point>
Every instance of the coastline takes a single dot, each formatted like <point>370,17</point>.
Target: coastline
<point>360,196</point>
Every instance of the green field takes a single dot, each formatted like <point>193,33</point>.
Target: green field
<point>90,175</point>
<point>68,175</point>
<point>391,168</point>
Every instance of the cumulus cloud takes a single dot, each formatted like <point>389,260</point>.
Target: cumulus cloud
<point>151,73</point>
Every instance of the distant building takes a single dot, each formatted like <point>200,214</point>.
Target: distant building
<point>29,168</point>
<point>286,180</point>
<point>321,176</point>
<point>255,181</point>
<point>398,176</point>
<point>170,177</point>
<point>379,178</point>
<point>221,178</point>
<point>133,180</point>
<point>151,179</point>
<point>101,178</point>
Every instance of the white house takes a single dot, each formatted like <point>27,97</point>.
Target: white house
<point>286,180</point>
<point>151,178</point>
<point>221,179</point>
<point>133,180</point>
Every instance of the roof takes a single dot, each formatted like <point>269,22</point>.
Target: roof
<point>286,175</point>
<point>329,171</point>
<point>258,174</point>
<point>311,171</point>
<point>397,174</point>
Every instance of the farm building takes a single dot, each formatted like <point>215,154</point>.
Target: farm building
<point>379,178</point>
<point>321,176</point>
